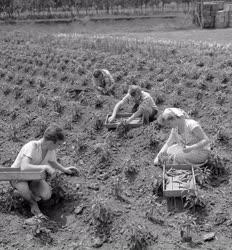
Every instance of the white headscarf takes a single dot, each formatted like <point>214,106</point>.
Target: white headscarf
<point>176,111</point>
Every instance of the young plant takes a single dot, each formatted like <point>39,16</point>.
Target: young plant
<point>57,105</point>
<point>76,112</point>
<point>131,169</point>
<point>102,218</point>
<point>138,237</point>
<point>193,201</point>
<point>42,101</point>
<point>97,123</point>
<point>122,129</point>
<point>99,102</point>
<point>27,97</point>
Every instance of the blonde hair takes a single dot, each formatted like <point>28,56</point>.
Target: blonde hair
<point>171,114</point>
<point>134,89</point>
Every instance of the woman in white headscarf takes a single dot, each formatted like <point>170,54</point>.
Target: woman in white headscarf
<point>187,142</point>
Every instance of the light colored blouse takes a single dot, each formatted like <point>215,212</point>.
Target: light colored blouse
<point>187,137</point>
<point>33,151</point>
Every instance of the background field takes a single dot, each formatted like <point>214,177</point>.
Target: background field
<point>170,27</point>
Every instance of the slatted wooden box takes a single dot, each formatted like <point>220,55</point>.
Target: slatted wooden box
<point>173,188</point>
<point>9,174</point>
<point>133,124</point>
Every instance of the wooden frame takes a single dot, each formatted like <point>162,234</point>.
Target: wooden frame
<point>177,191</point>
<point>133,124</point>
<point>9,174</point>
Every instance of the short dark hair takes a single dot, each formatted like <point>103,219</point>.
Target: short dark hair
<point>134,89</point>
<point>54,133</point>
<point>97,73</point>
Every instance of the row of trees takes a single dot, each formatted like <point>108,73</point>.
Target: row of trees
<point>20,6</point>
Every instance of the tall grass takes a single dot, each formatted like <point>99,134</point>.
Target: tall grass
<point>122,44</point>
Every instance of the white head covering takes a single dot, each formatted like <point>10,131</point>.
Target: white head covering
<point>176,112</point>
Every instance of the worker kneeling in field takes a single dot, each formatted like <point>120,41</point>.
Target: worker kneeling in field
<point>187,142</point>
<point>103,81</point>
<point>40,155</point>
<point>144,105</point>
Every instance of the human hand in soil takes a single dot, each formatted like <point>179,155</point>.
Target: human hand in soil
<point>71,170</point>
<point>111,119</point>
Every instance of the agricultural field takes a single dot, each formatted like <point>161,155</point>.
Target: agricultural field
<point>115,202</point>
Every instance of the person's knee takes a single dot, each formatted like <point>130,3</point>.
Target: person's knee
<point>46,194</point>
<point>23,190</point>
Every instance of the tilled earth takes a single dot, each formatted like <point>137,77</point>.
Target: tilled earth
<point>114,202</point>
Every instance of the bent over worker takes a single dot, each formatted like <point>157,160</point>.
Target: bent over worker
<point>144,105</point>
<point>41,155</point>
<point>187,142</point>
<point>103,81</point>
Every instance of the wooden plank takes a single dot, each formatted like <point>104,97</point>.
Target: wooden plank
<point>18,170</point>
<point>22,175</point>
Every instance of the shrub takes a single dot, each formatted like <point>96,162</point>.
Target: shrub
<point>131,169</point>
<point>194,202</point>
<point>40,126</point>
<point>122,129</point>
<point>6,89</point>
<point>223,135</point>
<point>81,70</point>
<point>42,101</point>
<point>99,102</point>
<point>102,216</point>
<point>81,142</point>
<point>160,98</point>
<point>98,122</point>
<point>17,91</point>
<point>18,80</point>
<point>138,237</point>
<point>9,76</point>
<point>27,97</point>
<point>76,112</point>
<point>57,105</point>
<point>40,82</point>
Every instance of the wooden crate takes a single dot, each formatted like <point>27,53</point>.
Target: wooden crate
<point>230,19</point>
<point>133,124</point>
<point>222,19</point>
<point>9,174</point>
<point>228,7</point>
<point>173,189</point>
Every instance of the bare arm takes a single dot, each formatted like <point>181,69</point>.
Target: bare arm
<point>57,166</point>
<point>170,141</point>
<point>202,137</point>
<point>115,111</point>
<point>27,165</point>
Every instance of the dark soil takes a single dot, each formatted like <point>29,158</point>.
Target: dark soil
<point>113,203</point>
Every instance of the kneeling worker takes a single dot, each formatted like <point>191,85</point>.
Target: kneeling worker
<point>40,155</point>
<point>103,82</point>
<point>144,105</point>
